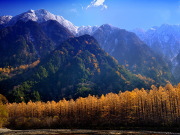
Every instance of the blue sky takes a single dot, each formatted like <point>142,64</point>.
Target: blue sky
<point>126,14</point>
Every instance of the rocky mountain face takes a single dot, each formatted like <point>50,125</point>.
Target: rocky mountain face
<point>131,52</point>
<point>56,32</point>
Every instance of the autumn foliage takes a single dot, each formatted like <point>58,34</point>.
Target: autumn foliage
<point>3,111</point>
<point>9,69</point>
<point>155,107</point>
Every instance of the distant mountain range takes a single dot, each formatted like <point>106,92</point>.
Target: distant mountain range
<point>72,66</point>
<point>165,41</point>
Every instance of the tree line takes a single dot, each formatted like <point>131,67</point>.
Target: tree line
<point>138,108</point>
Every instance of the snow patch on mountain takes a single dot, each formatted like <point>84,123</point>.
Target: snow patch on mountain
<point>86,30</point>
<point>5,19</point>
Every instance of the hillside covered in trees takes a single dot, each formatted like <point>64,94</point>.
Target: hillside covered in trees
<point>157,107</point>
<point>77,67</point>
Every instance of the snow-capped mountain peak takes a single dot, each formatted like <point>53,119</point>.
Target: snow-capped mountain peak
<point>42,15</point>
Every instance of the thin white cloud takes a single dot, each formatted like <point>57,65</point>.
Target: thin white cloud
<point>82,7</point>
<point>97,3</point>
<point>74,10</point>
